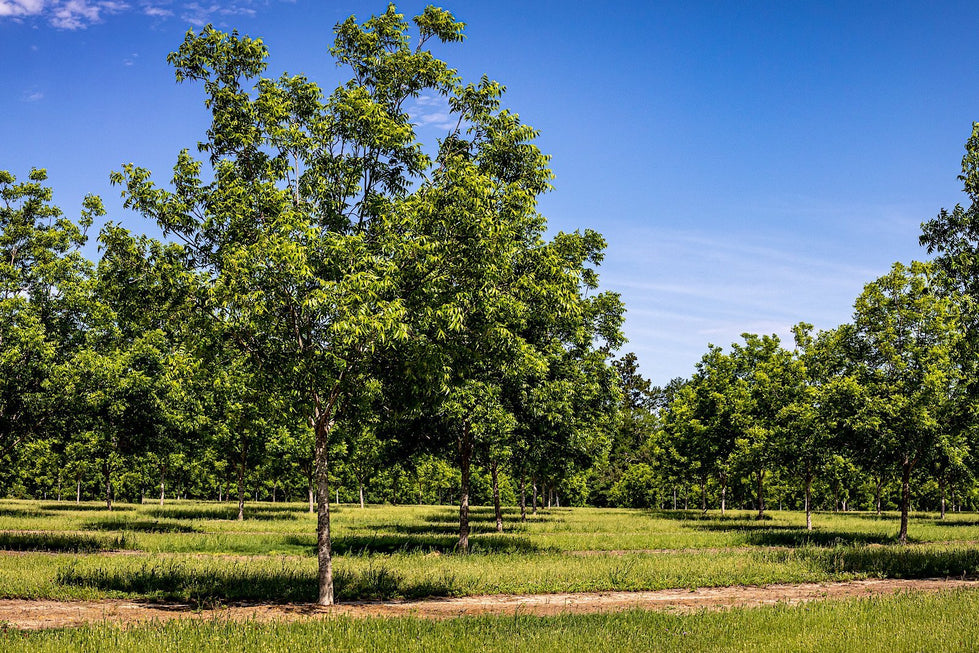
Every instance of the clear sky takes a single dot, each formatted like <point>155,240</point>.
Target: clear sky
<point>751,164</point>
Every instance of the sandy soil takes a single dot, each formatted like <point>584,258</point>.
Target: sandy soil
<point>32,615</point>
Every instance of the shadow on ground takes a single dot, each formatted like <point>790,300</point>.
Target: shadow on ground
<point>171,580</point>
<point>138,526</point>
<point>60,542</point>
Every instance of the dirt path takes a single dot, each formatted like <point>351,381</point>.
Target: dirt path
<point>32,615</point>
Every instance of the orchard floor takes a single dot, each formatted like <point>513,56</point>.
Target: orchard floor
<point>64,564</point>
<point>45,614</point>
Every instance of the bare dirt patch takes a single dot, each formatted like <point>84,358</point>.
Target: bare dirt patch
<point>41,614</point>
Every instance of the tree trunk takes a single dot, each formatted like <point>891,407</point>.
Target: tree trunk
<point>360,487</point>
<point>905,500</point>
<point>324,554</point>
<point>59,487</point>
<point>674,497</point>
<point>78,490</point>
<point>108,487</point>
<point>703,494</point>
<point>494,470</point>
<point>312,499</point>
<point>523,499</point>
<point>163,476</point>
<point>241,489</point>
<point>941,489</point>
<point>879,487</point>
<point>761,493</point>
<point>465,462</point>
<point>533,482</point>
<point>723,493</point>
<point>808,500</point>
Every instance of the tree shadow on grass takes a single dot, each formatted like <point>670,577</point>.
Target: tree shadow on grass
<point>20,512</point>
<point>230,513</point>
<point>60,542</point>
<point>85,507</point>
<point>171,580</point>
<point>787,535</point>
<point>713,516</point>
<point>389,543</point>
<point>896,561</point>
<point>139,526</point>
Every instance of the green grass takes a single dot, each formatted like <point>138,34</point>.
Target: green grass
<point>910,622</point>
<point>194,551</point>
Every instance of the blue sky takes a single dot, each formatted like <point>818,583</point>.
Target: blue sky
<point>751,165</point>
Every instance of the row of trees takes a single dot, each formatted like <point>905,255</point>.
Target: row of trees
<point>330,287</point>
<point>890,398</point>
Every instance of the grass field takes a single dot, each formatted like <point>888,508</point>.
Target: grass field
<point>910,622</point>
<point>197,552</point>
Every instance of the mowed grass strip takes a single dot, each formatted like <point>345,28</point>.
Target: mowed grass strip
<point>908,622</point>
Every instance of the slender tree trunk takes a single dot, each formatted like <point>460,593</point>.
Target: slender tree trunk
<point>761,493</point>
<point>241,489</point>
<point>877,491</point>
<point>465,462</point>
<point>324,545</point>
<point>723,493</point>
<point>703,494</point>
<point>312,498</point>
<point>674,497</point>
<point>533,482</point>
<point>494,470</point>
<point>941,489</point>
<point>78,490</point>
<point>108,487</point>
<point>905,500</point>
<point>163,476</point>
<point>523,499</point>
<point>808,500</point>
<point>59,487</point>
<point>360,487</point>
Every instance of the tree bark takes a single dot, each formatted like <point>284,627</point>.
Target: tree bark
<point>312,499</point>
<point>703,494</point>
<point>324,545</point>
<point>241,488</point>
<point>905,500</point>
<point>494,469</point>
<point>360,487</point>
<point>465,462</point>
<point>163,476</point>
<point>808,500</point>
<point>523,499</point>
<point>78,490</point>
<point>941,489</point>
<point>533,482</point>
<point>761,493</point>
<point>723,493</point>
<point>108,486</point>
<point>877,490</point>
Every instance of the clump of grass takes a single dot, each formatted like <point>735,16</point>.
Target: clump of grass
<point>61,542</point>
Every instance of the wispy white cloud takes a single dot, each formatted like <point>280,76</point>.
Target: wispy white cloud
<point>79,14</point>
<point>432,111</point>
<point>32,96</point>
<point>20,8</point>
<point>200,14</point>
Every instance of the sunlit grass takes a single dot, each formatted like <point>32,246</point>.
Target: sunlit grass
<point>909,622</point>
